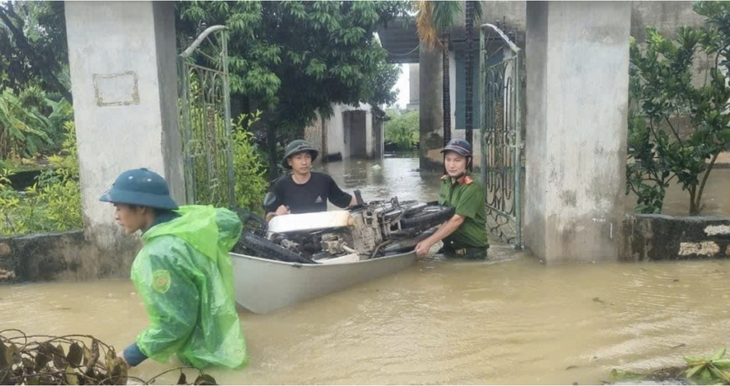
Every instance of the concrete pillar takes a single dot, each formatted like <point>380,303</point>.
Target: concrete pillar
<point>413,83</point>
<point>123,75</point>
<point>577,59</point>
<point>430,108</point>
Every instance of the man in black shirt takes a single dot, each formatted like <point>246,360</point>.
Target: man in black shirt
<point>305,191</point>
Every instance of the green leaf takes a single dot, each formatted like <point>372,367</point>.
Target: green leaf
<point>719,354</point>
<point>693,370</point>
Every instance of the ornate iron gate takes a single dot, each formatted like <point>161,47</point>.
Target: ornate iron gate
<point>501,133</point>
<point>205,118</point>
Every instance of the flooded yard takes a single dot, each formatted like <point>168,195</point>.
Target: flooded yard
<point>515,322</point>
<point>455,322</point>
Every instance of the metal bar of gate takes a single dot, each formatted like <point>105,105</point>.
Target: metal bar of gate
<point>227,102</point>
<point>501,135</point>
<point>518,150</point>
<point>205,140</point>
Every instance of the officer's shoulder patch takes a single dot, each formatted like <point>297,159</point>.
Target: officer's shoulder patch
<point>161,280</point>
<point>466,180</point>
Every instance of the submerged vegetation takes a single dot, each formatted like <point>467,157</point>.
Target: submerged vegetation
<point>68,360</point>
<point>703,370</point>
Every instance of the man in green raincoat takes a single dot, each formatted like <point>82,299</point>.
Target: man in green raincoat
<point>183,274</point>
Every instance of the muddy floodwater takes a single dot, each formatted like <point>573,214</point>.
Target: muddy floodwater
<point>511,322</point>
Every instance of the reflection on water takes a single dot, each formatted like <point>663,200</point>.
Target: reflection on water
<point>515,322</point>
<point>383,179</point>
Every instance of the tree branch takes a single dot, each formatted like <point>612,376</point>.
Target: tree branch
<point>704,178</point>
<point>22,43</point>
<point>676,134</point>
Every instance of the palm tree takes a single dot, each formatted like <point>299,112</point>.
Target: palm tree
<point>436,18</point>
<point>473,14</point>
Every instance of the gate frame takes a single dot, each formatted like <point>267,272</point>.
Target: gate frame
<point>515,117</point>
<point>184,64</point>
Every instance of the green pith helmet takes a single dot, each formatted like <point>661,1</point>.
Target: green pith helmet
<point>140,187</point>
<point>298,146</point>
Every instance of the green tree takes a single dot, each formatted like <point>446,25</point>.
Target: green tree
<point>248,165</point>
<point>291,59</point>
<point>23,129</point>
<point>33,46</point>
<point>662,90</point>
<point>402,129</point>
<point>436,18</point>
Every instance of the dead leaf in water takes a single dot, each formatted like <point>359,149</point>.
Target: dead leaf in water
<point>75,355</point>
<point>205,379</point>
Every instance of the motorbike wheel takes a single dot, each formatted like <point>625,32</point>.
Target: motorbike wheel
<point>428,217</point>
<point>262,247</point>
<point>251,220</point>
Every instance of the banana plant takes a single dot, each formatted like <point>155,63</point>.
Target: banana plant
<point>709,370</point>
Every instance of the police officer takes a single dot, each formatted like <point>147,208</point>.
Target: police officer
<point>183,275</point>
<point>305,191</point>
<point>464,234</point>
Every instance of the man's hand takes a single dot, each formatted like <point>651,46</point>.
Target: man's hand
<point>423,247</point>
<point>282,210</point>
<point>279,211</point>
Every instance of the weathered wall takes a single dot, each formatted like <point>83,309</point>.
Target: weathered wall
<point>61,256</point>
<point>351,131</point>
<point>666,16</point>
<point>335,127</point>
<point>123,75</point>
<point>577,84</point>
<point>357,140</point>
<point>659,237</point>
<point>315,135</point>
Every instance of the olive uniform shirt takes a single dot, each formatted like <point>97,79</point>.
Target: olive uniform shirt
<point>467,196</point>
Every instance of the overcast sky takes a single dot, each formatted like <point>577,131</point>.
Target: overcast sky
<point>402,86</point>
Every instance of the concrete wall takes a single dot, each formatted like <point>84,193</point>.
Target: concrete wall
<point>123,75</point>
<point>334,126</point>
<point>351,131</point>
<point>577,94</point>
<point>59,256</point>
<point>666,16</point>
<point>315,135</point>
<point>378,137</point>
<point>659,237</point>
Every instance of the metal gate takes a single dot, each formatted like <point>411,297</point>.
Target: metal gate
<point>205,119</point>
<point>501,133</point>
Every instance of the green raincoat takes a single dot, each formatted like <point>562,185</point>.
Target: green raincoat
<point>185,277</point>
